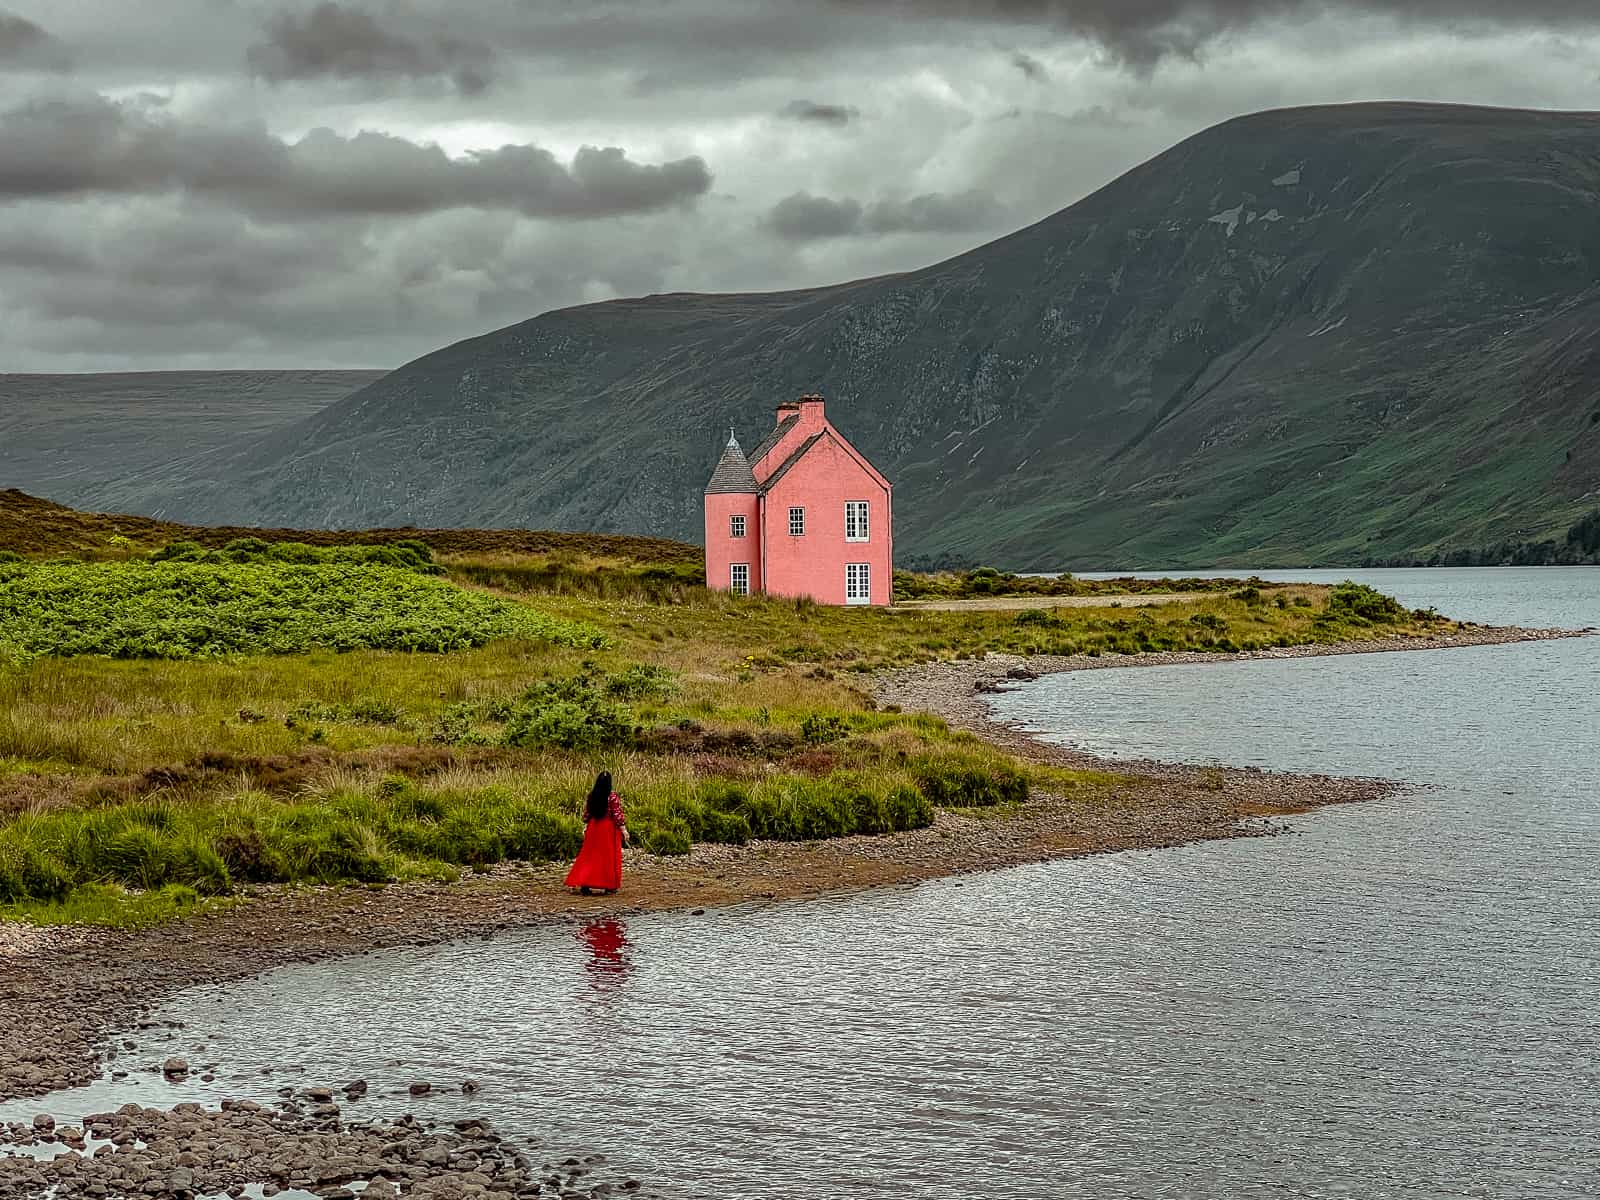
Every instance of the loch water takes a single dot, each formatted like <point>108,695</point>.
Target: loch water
<point>1399,999</point>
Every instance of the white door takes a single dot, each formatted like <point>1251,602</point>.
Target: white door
<point>858,583</point>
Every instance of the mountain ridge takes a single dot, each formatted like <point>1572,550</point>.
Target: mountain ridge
<point>81,437</point>
<point>1316,334</point>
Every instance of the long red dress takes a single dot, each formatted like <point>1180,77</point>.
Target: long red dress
<point>599,862</point>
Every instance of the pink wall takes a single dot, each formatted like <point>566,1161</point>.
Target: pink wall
<point>814,564</point>
<point>723,549</point>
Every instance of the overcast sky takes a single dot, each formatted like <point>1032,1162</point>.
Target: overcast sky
<point>261,183</point>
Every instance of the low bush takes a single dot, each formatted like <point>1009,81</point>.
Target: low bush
<point>642,681</point>
<point>575,713</point>
<point>179,609</point>
<point>1362,602</point>
<point>409,554</point>
<point>819,729</point>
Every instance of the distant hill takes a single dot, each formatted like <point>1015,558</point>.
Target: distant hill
<point>35,527</point>
<point>121,440</point>
<point>1318,335</point>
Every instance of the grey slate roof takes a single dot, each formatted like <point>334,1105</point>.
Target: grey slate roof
<point>733,473</point>
<point>800,452</point>
<point>772,438</point>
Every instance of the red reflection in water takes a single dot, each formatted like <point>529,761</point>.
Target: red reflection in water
<point>609,953</point>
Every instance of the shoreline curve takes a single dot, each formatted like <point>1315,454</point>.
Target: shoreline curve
<point>63,991</point>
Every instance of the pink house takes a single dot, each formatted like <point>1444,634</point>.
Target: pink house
<point>804,515</point>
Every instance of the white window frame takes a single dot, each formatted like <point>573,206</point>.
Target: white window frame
<point>797,521</point>
<point>736,525</point>
<point>858,583</point>
<point>857,526</point>
<point>739,578</point>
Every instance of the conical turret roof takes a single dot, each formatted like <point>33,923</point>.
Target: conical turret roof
<point>733,473</point>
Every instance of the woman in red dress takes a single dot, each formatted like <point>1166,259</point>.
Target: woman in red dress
<point>599,865</point>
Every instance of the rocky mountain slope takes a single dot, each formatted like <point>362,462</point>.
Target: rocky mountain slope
<point>1313,335</point>
<point>118,440</point>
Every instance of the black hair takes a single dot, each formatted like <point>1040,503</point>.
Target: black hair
<point>599,797</point>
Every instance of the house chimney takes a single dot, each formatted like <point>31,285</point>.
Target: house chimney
<point>789,408</point>
<point>810,407</point>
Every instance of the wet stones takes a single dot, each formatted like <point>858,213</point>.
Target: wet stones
<point>191,1151</point>
<point>420,1088</point>
<point>175,1068</point>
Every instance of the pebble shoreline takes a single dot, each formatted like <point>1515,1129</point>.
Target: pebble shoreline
<point>63,991</point>
<point>303,1143</point>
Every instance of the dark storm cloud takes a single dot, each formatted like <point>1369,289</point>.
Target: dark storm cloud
<point>1142,32</point>
<point>335,41</point>
<point>212,230</point>
<point>819,114</point>
<point>24,44</point>
<point>66,148</point>
<point>803,217</point>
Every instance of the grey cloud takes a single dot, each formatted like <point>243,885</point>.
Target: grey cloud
<point>804,217</point>
<point>1029,66</point>
<point>821,114</point>
<point>64,148</point>
<point>24,44</point>
<point>935,212</point>
<point>160,279</point>
<point>333,41</point>
<point>1142,32</point>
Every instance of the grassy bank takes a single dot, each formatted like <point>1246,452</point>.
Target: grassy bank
<point>983,582</point>
<point>145,768</point>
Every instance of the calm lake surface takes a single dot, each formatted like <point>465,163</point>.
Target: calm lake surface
<point>1400,1000</point>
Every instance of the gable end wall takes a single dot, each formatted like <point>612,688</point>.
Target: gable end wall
<point>814,564</point>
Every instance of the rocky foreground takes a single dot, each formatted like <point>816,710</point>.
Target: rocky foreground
<point>305,1143</point>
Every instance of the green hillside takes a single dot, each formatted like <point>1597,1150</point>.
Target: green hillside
<point>1318,335</point>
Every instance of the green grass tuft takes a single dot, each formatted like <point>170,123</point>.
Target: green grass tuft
<point>109,905</point>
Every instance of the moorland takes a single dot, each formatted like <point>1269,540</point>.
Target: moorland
<point>180,720</point>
